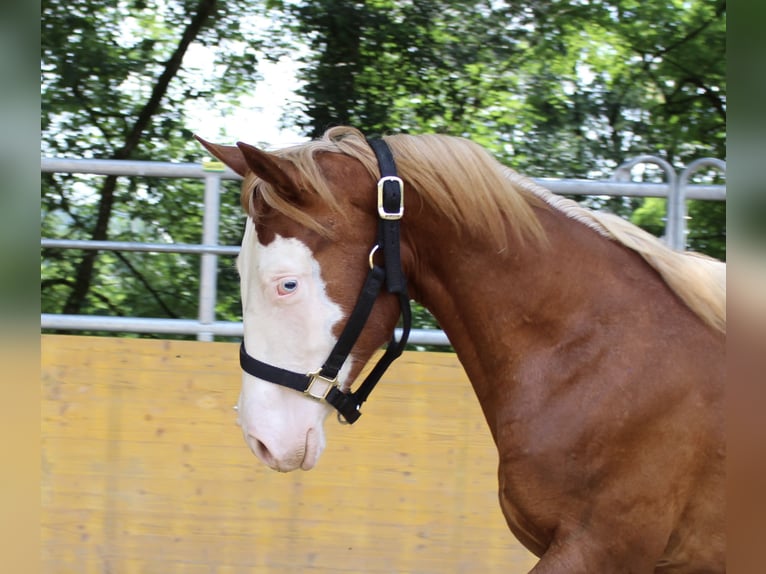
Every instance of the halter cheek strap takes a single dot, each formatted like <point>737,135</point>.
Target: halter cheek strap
<point>323,384</point>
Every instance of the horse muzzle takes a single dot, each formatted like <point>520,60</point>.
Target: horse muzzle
<point>283,455</point>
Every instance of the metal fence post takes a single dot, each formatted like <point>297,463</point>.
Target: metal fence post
<point>208,280</point>
<point>683,181</point>
<point>674,234</point>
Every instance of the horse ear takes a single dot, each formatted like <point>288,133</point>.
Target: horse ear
<point>228,154</point>
<point>272,169</point>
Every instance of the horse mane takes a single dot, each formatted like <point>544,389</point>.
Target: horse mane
<point>440,166</point>
<point>698,280</point>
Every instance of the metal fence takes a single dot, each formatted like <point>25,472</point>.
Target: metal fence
<point>676,190</point>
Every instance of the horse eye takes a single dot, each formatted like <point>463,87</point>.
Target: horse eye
<point>287,286</point>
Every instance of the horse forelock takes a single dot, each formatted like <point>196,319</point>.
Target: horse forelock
<point>342,140</point>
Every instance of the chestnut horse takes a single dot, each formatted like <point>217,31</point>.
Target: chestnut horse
<point>596,353</point>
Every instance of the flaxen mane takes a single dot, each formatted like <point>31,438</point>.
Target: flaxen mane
<point>437,166</point>
<point>440,167</point>
<point>699,280</point>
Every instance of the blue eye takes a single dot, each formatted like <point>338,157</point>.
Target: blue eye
<point>287,286</point>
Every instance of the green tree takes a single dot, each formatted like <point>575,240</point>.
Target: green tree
<point>116,79</point>
<point>555,89</point>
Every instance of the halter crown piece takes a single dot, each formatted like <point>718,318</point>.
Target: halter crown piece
<point>323,384</point>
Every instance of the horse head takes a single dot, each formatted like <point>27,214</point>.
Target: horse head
<point>305,251</point>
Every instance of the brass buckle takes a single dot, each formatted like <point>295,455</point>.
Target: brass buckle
<point>321,394</point>
<point>381,210</point>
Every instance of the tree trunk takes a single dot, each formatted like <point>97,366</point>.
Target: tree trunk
<point>84,273</point>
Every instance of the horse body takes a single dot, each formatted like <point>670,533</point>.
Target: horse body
<point>602,432</point>
<point>602,389</point>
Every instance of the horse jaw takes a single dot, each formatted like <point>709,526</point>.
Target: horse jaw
<point>282,427</point>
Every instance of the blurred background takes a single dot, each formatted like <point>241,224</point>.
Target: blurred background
<point>553,89</point>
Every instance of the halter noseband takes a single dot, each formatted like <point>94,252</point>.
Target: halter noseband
<point>323,384</point>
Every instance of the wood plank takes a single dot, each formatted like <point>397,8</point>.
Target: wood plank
<point>144,470</point>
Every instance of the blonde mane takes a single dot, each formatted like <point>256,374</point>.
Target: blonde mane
<point>699,280</point>
<point>440,166</point>
<point>437,166</point>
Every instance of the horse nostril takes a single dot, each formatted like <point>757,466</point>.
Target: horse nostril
<point>262,451</point>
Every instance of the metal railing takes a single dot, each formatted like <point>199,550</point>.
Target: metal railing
<point>205,327</point>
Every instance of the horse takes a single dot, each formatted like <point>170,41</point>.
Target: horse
<point>595,351</point>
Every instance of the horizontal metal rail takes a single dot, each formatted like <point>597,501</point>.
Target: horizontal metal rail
<point>206,327</point>
<point>188,327</point>
<point>183,248</point>
<point>197,171</point>
<point>629,189</point>
<point>135,168</point>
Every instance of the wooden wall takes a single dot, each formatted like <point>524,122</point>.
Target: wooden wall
<point>145,471</point>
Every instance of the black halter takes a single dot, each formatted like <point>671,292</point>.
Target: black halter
<point>323,384</point>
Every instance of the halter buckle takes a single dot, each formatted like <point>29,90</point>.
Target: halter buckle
<point>390,215</point>
<point>320,393</point>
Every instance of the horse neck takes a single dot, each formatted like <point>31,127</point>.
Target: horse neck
<point>503,310</point>
<point>478,291</point>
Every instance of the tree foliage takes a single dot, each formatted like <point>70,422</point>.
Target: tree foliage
<point>115,82</point>
<point>559,88</point>
<point>555,89</point>
<point>552,88</point>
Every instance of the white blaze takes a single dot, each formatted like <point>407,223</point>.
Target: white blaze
<point>288,321</point>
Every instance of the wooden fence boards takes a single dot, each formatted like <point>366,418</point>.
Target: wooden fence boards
<point>145,471</point>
